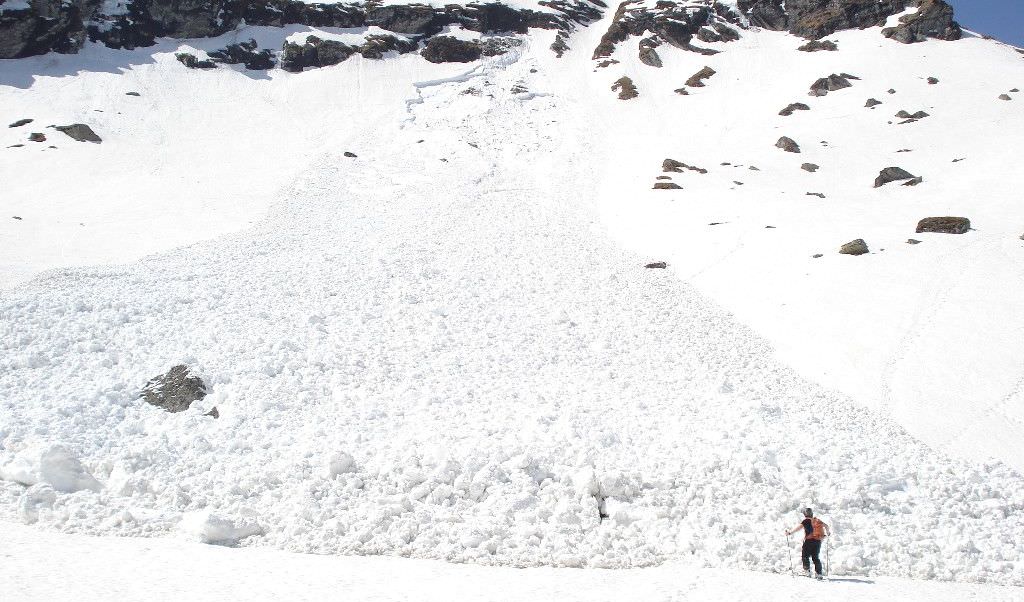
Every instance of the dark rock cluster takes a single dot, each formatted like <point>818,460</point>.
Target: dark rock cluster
<point>815,19</point>
<point>674,23</point>
<point>174,390</point>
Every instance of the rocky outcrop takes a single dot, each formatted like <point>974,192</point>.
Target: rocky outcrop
<point>815,19</point>
<point>892,174</point>
<point>63,25</point>
<point>674,23</point>
<point>446,49</point>
<point>79,132</point>
<point>872,103</point>
<point>673,166</point>
<point>796,106</point>
<point>193,62</point>
<point>944,225</point>
<point>933,19</point>
<point>818,46</point>
<point>314,52</point>
<point>828,84</point>
<point>244,53</point>
<point>649,56</point>
<point>20,122</point>
<point>626,88</point>
<point>175,390</point>
<point>697,79</point>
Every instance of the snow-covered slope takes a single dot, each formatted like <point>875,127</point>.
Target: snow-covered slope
<point>439,347</point>
<point>85,569</point>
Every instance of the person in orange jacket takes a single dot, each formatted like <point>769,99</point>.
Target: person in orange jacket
<point>814,531</point>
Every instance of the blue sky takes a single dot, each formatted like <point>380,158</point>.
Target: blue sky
<point>1001,19</point>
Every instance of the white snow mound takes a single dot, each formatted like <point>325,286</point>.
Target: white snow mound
<point>54,465</point>
<point>207,527</point>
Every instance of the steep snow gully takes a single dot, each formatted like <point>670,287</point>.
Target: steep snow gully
<point>433,349</point>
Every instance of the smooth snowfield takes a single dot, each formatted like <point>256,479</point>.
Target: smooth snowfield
<point>54,567</point>
<point>436,350</point>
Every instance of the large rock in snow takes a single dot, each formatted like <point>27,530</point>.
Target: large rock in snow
<point>788,144</point>
<point>80,132</point>
<point>53,465</point>
<point>944,225</point>
<point>174,391</point>
<point>854,247</point>
<point>892,174</point>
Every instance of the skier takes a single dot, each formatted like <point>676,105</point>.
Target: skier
<point>814,531</point>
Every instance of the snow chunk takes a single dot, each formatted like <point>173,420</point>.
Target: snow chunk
<point>54,465</point>
<point>339,463</point>
<point>207,527</point>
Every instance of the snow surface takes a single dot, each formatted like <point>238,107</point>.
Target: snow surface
<point>440,348</point>
<point>54,567</point>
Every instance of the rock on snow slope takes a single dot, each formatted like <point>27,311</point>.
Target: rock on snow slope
<point>452,307</point>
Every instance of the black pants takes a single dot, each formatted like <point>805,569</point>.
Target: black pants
<point>811,549</point>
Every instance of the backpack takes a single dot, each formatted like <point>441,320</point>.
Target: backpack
<point>817,530</point>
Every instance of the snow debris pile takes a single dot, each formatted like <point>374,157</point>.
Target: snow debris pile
<point>208,527</point>
<point>52,465</point>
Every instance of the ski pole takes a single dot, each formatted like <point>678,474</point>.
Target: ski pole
<point>789,544</point>
<point>828,563</point>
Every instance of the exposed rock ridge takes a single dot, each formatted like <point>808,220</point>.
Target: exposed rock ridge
<point>815,19</point>
<point>674,23</point>
<point>64,25</point>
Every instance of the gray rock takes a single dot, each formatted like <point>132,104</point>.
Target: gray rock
<point>1005,97</point>
<point>657,265</point>
<point>79,132</point>
<point>192,62</point>
<point>915,116</point>
<point>818,46</point>
<point>37,137</point>
<point>446,49</point>
<point>854,247</point>
<point>213,412</point>
<point>626,88</point>
<point>788,144</point>
<point>697,79</point>
<point>933,80</point>
<point>671,165</point>
<point>350,154</point>
<point>768,14</point>
<point>828,84</point>
<point>174,391</point>
<point>933,19</point>
<point>811,167</point>
<point>796,106</point>
<point>913,241</point>
<point>132,94</point>
<point>944,225</point>
<point>872,103</point>
<point>1015,90</point>
<point>891,91</point>
<point>892,174</point>
<point>667,186</point>
<point>314,53</point>
<point>817,194</point>
<point>913,181</point>
<point>649,57</point>
<point>244,53</point>
<point>20,122</point>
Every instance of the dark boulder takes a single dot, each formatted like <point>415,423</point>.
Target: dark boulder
<point>667,186</point>
<point>132,94</point>
<point>933,80</point>
<point>649,56</point>
<point>828,84</point>
<point>626,88</point>
<point>697,79</point>
<point>413,19</point>
<point>815,19</point>
<point>854,247</point>
<point>174,391</point>
<point>796,106</point>
<point>918,115</point>
<point>37,137</point>
<point>20,122</point>
<point>788,144</point>
<point>79,132</point>
<point>913,241</point>
<point>313,53</point>
<point>811,167</point>
<point>768,14</point>
<point>1005,97</point>
<point>244,53</point>
<point>892,174</point>
<point>657,265</point>
<point>872,102</point>
<point>944,225</point>
<point>818,46</point>
<point>913,181</point>
<point>350,154</point>
<point>933,19</point>
<point>446,49</point>
<point>192,62</point>
<point>375,46</point>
